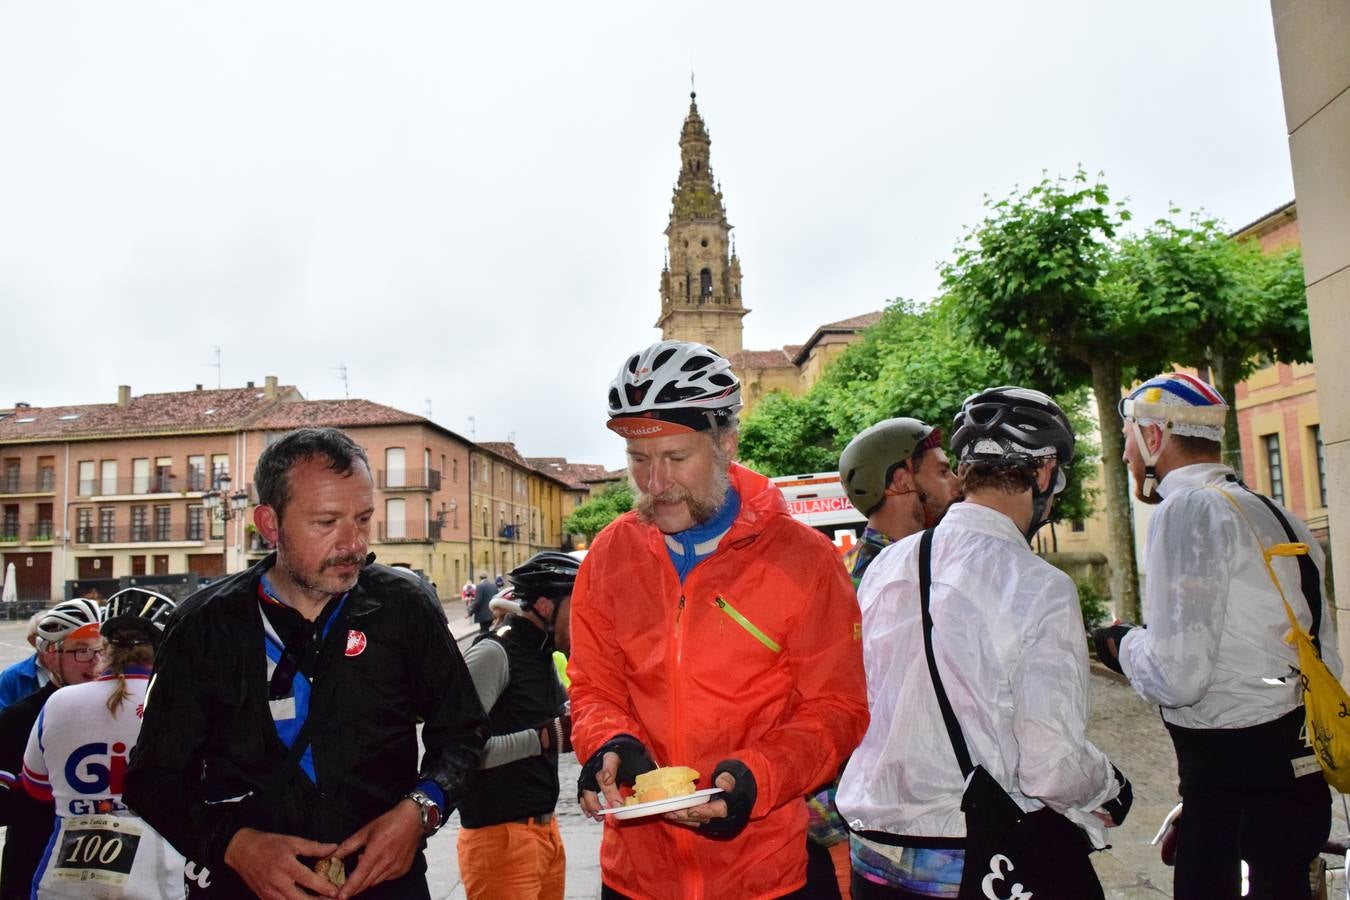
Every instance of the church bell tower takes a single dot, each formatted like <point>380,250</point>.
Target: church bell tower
<point>701,280</point>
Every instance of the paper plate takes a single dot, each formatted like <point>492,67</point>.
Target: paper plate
<point>652,807</point>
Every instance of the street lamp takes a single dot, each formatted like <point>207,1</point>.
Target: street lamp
<point>225,506</point>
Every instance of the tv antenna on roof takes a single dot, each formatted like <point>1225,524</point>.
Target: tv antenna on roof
<point>341,369</point>
<point>216,364</point>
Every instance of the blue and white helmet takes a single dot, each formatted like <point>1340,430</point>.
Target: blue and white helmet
<point>1177,403</point>
<point>1185,404</point>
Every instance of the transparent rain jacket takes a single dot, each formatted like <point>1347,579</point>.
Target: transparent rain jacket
<point>1011,649</point>
<point>1214,654</point>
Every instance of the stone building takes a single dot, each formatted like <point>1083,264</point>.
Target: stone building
<point>1311,37</point>
<point>701,279</point>
<point>701,284</point>
<point>1279,421</point>
<point>109,492</point>
<point>518,508</point>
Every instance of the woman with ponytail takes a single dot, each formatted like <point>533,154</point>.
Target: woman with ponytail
<point>77,757</point>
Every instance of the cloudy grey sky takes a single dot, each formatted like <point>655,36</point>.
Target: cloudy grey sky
<point>463,203</point>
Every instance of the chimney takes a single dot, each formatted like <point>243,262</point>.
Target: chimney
<point>250,384</point>
<point>123,395</point>
<point>270,388</point>
<point>199,387</point>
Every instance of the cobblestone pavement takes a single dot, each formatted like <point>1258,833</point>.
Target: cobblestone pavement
<point>1129,730</point>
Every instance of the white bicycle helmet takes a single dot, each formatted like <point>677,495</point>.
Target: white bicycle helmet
<point>136,616</point>
<point>76,619</point>
<point>673,387</point>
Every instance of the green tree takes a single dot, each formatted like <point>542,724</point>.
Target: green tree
<point>591,517</point>
<point>789,435</point>
<point>1029,282</point>
<point>1219,304</point>
<point>915,362</point>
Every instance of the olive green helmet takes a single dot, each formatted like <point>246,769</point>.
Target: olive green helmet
<point>869,460</point>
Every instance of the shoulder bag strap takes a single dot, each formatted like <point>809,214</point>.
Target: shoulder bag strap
<point>1309,580</point>
<point>1293,548</point>
<point>948,716</point>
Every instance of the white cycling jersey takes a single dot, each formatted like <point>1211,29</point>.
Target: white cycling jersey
<point>77,757</point>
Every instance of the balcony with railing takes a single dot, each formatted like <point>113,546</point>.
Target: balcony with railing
<point>135,485</point>
<point>409,479</point>
<point>9,531</point>
<point>141,533</point>
<point>40,532</point>
<point>44,482</point>
<point>409,532</point>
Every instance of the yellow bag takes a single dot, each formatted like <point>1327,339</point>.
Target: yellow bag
<point>1328,710</point>
<point>1326,704</point>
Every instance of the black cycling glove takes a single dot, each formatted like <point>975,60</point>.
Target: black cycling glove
<point>1106,654</point>
<point>633,761</point>
<point>740,800</point>
<point>1119,808</point>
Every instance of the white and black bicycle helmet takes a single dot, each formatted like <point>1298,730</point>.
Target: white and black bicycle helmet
<point>76,619</point>
<point>1013,423</point>
<point>1016,426</point>
<point>136,616</point>
<point>673,387</point>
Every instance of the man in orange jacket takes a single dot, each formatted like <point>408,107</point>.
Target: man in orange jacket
<point>710,630</point>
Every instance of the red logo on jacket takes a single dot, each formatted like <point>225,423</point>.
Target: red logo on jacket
<point>356,643</point>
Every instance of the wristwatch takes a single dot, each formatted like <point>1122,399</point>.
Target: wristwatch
<point>430,812</point>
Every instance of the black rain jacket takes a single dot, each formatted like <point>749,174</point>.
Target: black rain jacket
<point>208,743</point>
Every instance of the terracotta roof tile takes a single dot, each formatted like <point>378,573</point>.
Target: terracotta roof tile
<point>760,359</point>
<point>228,409</point>
<point>854,324</point>
<point>505,449</point>
<point>334,414</point>
<point>857,323</point>
<point>579,476</point>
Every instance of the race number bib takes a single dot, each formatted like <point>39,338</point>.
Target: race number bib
<point>95,849</point>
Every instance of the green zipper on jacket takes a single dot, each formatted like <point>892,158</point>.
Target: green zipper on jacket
<point>747,625</point>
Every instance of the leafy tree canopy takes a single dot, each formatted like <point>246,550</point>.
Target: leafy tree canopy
<point>915,362</point>
<point>591,517</point>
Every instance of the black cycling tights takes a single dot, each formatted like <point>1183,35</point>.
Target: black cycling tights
<point>1278,833</point>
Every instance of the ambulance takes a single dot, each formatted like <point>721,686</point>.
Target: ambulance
<point>818,500</point>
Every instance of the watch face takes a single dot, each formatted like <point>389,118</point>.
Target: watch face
<point>433,816</point>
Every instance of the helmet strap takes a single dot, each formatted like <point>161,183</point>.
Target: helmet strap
<point>1040,508</point>
<point>1148,455</point>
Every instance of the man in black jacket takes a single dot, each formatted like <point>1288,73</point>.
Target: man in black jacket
<point>280,726</point>
<point>482,597</point>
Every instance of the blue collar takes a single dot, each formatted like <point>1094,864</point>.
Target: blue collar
<point>693,542</point>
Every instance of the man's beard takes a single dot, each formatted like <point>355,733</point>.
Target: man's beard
<point>311,582</point>
<point>931,510</point>
<point>701,508</point>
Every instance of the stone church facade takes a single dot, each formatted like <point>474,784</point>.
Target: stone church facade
<point>701,283</point>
